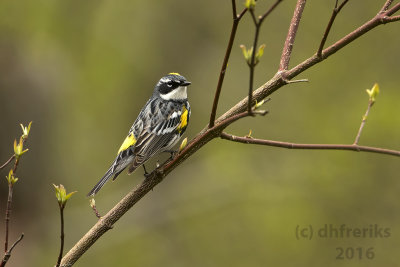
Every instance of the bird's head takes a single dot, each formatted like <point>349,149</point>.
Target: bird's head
<point>172,87</point>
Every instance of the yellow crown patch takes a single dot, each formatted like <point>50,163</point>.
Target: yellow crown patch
<point>174,73</point>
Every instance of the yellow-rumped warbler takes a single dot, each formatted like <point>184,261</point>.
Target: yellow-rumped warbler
<point>159,126</point>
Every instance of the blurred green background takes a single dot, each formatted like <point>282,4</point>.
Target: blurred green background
<point>82,70</point>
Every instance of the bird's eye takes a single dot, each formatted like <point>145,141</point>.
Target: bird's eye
<point>169,84</point>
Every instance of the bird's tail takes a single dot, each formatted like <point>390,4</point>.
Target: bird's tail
<point>111,171</point>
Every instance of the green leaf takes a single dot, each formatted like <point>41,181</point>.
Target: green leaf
<point>245,52</point>
<point>92,202</point>
<point>61,195</point>
<point>26,130</point>
<point>260,52</point>
<point>373,92</point>
<point>183,144</point>
<point>69,195</point>
<point>259,104</point>
<point>10,177</point>
<point>250,4</point>
<point>19,147</point>
<point>16,148</point>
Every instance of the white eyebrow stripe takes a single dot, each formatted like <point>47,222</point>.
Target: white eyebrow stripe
<point>163,80</point>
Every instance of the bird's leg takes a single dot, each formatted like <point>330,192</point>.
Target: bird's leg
<point>159,168</point>
<point>173,153</point>
<point>146,174</point>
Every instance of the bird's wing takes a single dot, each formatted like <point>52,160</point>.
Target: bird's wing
<point>168,120</point>
<point>155,127</point>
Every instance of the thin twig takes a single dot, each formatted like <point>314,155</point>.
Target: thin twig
<point>392,19</point>
<point>294,26</point>
<point>253,63</point>
<point>354,147</point>
<point>8,208</point>
<point>364,119</point>
<point>16,165</point>
<point>234,12</point>
<point>7,162</point>
<point>235,23</point>
<point>253,17</point>
<point>61,236</point>
<point>266,14</point>
<point>15,243</point>
<point>335,11</point>
<point>386,6</point>
<point>392,10</point>
<point>8,214</point>
<point>7,255</point>
<point>96,212</point>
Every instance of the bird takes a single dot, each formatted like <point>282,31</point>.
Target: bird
<point>158,128</point>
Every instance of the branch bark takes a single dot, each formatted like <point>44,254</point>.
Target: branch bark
<point>294,26</point>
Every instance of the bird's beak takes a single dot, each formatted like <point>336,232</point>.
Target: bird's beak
<point>185,83</point>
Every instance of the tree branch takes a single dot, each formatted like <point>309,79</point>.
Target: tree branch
<point>253,63</point>
<point>18,152</point>
<point>8,213</point>
<point>266,14</point>
<point>294,26</point>
<point>211,132</point>
<point>386,6</point>
<point>393,10</point>
<point>106,222</point>
<point>7,255</point>
<point>236,20</point>
<point>353,147</point>
<point>392,19</point>
<point>335,11</point>
<point>7,162</point>
<point>364,119</point>
<point>61,237</point>
<point>280,80</point>
<point>8,208</point>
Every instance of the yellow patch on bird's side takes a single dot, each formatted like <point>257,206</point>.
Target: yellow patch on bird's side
<point>184,118</point>
<point>129,141</point>
<point>174,73</point>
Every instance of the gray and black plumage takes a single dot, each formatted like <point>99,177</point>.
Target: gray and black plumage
<point>159,126</point>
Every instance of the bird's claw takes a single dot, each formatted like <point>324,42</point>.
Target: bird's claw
<point>172,153</point>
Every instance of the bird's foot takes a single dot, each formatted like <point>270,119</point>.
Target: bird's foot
<point>172,153</point>
<point>146,174</point>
